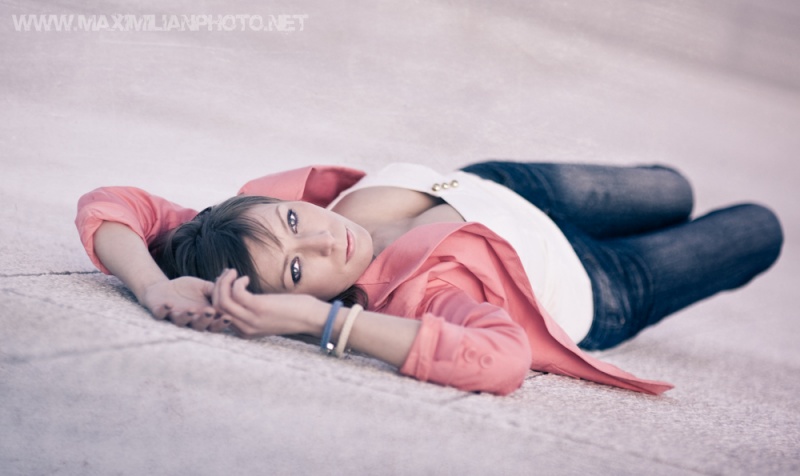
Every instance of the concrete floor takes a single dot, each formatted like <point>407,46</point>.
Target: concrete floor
<point>89,384</point>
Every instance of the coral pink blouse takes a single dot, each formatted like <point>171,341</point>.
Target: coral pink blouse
<point>481,327</point>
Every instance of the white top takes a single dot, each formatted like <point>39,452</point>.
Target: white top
<point>558,278</point>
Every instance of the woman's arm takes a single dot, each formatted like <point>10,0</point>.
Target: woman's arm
<point>184,300</point>
<point>124,254</point>
<point>115,224</point>
<point>384,337</point>
<point>481,349</point>
<point>148,216</point>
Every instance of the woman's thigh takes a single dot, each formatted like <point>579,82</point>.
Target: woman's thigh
<point>603,201</point>
<point>637,281</point>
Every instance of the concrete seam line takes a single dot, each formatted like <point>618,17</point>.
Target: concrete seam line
<point>49,273</point>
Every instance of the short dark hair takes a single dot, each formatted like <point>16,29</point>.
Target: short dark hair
<point>216,239</point>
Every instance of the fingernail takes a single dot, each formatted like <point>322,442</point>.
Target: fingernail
<point>209,315</point>
<point>226,321</point>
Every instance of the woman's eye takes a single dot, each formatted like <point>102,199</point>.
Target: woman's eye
<point>297,273</point>
<point>291,219</point>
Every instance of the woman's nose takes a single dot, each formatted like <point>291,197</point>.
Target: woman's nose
<point>321,242</point>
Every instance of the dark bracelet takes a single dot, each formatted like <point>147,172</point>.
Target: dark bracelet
<point>325,345</point>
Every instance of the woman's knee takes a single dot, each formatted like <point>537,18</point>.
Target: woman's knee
<point>765,224</point>
<point>677,185</point>
<point>749,231</point>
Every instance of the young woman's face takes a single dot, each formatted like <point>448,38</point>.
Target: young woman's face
<point>319,252</point>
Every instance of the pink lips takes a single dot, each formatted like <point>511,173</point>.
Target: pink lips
<point>350,242</point>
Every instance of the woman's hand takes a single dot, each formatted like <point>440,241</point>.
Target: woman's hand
<point>388,338</point>
<point>184,301</point>
<point>258,315</point>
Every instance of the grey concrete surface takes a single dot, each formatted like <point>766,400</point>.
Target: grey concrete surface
<point>89,384</point>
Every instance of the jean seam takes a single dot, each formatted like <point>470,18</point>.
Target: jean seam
<point>648,306</point>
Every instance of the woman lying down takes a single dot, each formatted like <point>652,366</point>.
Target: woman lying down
<point>467,278</point>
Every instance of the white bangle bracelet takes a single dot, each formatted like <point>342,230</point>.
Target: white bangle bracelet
<point>348,326</point>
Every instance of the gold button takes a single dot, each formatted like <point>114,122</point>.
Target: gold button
<point>436,187</point>
<point>454,183</point>
<point>445,185</point>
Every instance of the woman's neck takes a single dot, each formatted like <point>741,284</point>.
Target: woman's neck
<point>389,212</point>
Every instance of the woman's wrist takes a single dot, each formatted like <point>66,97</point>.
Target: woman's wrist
<point>145,285</point>
<point>317,315</point>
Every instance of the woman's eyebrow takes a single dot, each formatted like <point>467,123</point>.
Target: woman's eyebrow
<point>282,220</point>
<point>285,265</point>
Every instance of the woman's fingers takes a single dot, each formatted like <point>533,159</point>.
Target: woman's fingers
<point>223,299</point>
<point>203,321</point>
<point>184,301</point>
<point>219,324</point>
<point>231,298</point>
<point>198,318</point>
<point>217,295</point>
<point>239,291</point>
<point>181,318</point>
<point>162,312</point>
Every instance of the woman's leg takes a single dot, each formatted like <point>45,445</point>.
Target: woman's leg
<point>603,201</point>
<point>637,281</point>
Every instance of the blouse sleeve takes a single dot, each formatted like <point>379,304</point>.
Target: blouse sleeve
<point>319,184</point>
<point>147,215</point>
<point>468,345</point>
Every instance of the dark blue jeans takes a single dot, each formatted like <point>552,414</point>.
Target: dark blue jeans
<point>631,230</point>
